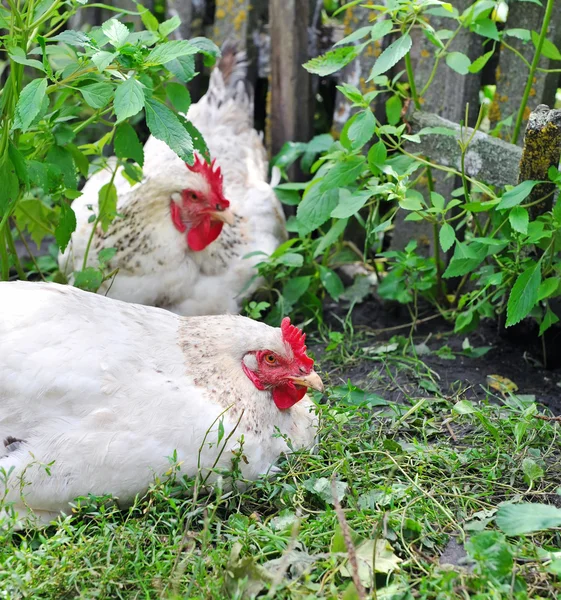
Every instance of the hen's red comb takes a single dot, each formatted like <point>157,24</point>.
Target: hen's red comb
<point>295,338</point>
<point>212,174</point>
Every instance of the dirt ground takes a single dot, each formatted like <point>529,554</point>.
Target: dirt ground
<point>516,355</point>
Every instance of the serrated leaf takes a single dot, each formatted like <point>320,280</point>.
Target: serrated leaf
<point>447,236</point>
<point>519,219</point>
<point>547,288</point>
<point>350,203</point>
<point>127,144</point>
<point>164,53</point>
<point>19,163</point>
<point>30,101</point>
<point>65,227</point>
<point>343,173</point>
<point>169,26</point>
<point>521,34</point>
<point>316,207</point>
<point>36,217</point>
<point>115,32</point>
<point>330,237</point>
<point>63,160</point>
<point>524,294</point>
<point>129,99</point>
<point>208,48</point>
<point>89,279</point>
<point>458,62</point>
<point>480,62</point>
<point>518,519</point>
<point>549,49</point>
<point>107,203</point>
<point>517,194</point>
<point>9,190</point>
<point>532,471</point>
<point>391,56</point>
<point>179,96</point>
<point>331,282</point>
<point>103,59</point>
<point>72,38</point>
<point>166,126</point>
<point>148,19</point>
<point>295,287</point>
<point>360,33</point>
<point>18,56</point>
<point>97,95</point>
<point>393,110</point>
<point>549,319</point>
<point>105,255</point>
<point>199,143</point>
<point>332,61</point>
<point>321,487</point>
<point>358,130</point>
<point>183,68</point>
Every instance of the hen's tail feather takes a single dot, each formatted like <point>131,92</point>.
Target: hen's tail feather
<point>229,78</point>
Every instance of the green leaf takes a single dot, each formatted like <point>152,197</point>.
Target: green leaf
<point>115,32</point>
<point>358,130</point>
<point>166,126</point>
<point>331,282</point>
<point>36,217</point>
<point>129,99</point>
<point>447,237</point>
<point>167,51</point>
<point>207,47</point>
<point>532,471</point>
<point>89,279</point>
<point>518,519</point>
<point>519,219</point>
<point>18,56</point>
<point>199,143</point>
<point>105,255</point>
<point>107,202</point>
<point>360,33</point>
<point>377,155</point>
<point>391,56</point>
<point>127,144</point>
<point>179,96</point>
<point>316,207</point>
<point>550,318</point>
<point>524,294</point>
<point>343,173</point>
<point>330,237</point>
<point>515,196</point>
<point>332,61</point>
<point>9,190</point>
<point>521,34</point>
<point>97,95</point>
<point>480,62</point>
<point>29,102</point>
<point>63,160</point>
<point>487,28</point>
<point>19,163</point>
<point>66,226</point>
<point>547,288</point>
<point>183,68</point>
<point>350,203</point>
<point>549,49</point>
<point>295,287</point>
<point>490,549</point>
<point>72,38</point>
<point>393,110</point>
<point>148,19</point>
<point>169,26</point>
<point>103,59</point>
<point>458,62</point>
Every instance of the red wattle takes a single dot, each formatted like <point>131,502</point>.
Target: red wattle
<point>200,236</point>
<point>287,395</point>
<point>176,218</point>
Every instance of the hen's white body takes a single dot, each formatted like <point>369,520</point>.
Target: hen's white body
<point>156,267</point>
<point>109,390</point>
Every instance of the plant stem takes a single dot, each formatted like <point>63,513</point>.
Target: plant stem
<point>533,67</point>
<point>4,257</point>
<point>12,248</point>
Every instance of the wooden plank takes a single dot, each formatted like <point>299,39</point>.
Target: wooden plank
<point>512,74</point>
<point>231,19</point>
<point>291,102</point>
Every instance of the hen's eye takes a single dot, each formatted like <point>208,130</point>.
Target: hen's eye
<point>194,196</point>
<point>270,359</point>
<point>218,207</point>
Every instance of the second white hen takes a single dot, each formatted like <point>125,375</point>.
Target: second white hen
<point>184,231</point>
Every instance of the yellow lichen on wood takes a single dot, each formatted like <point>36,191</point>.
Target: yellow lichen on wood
<point>494,112</point>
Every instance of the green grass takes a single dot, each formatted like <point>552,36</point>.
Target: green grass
<point>413,479</point>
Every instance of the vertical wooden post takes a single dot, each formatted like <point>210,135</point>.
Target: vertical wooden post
<point>291,101</point>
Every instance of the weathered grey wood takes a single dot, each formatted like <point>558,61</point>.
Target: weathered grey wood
<point>447,96</point>
<point>488,159</point>
<point>231,19</point>
<point>357,72</point>
<point>512,73</point>
<point>291,113</point>
<point>542,149</point>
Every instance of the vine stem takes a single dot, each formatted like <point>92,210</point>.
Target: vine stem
<point>533,68</point>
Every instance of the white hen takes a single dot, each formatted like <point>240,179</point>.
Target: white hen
<point>106,391</point>
<point>184,232</point>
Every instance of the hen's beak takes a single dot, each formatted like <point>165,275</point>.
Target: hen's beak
<point>312,380</point>
<point>226,216</point>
